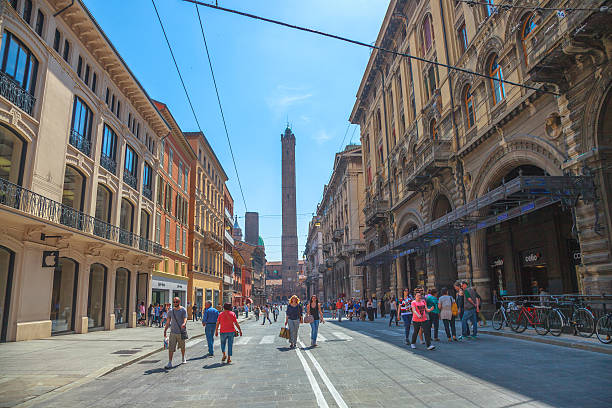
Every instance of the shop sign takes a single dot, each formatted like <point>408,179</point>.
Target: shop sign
<point>532,257</point>
<point>577,257</point>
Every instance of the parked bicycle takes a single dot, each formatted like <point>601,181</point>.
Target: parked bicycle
<point>528,314</point>
<point>582,319</point>
<point>603,328</point>
<point>500,317</point>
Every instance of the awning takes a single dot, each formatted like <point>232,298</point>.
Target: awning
<point>517,197</point>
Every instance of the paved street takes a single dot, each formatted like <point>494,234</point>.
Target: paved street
<point>357,364</point>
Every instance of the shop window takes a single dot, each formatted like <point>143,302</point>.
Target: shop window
<point>96,299</point>
<point>528,27</point>
<point>12,156</point>
<point>496,74</point>
<point>63,296</point>
<point>7,262</point>
<point>122,290</point>
<point>74,188</point>
<point>469,107</point>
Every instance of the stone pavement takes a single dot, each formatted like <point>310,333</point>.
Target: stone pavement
<point>357,364</point>
<point>32,369</point>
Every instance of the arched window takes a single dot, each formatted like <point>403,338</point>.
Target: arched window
<point>433,129</point>
<point>469,106</point>
<point>496,74</point>
<point>74,188</point>
<point>127,215</point>
<point>427,33</point>
<point>21,65</point>
<point>12,155</point>
<point>528,26</point>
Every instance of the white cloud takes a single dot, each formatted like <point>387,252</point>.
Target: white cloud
<point>285,97</point>
<point>321,137</point>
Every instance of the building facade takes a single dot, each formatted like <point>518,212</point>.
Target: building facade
<point>341,219</point>
<point>289,240</point>
<point>79,139</point>
<point>206,223</point>
<point>314,265</point>
<point>170,278</point>
<point>228,247</point>
<point>451,158</point>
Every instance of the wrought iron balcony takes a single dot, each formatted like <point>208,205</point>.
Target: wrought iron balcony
<point>376,211</point>
<point>108,163</point>
<point>11,90</point>
<point>130,179</point>
<point>80,142</point>
<point>430,157</point>
<point>212,241</point>
<point>28,202</point>
<point>147,192</point>
<point>353,247</point>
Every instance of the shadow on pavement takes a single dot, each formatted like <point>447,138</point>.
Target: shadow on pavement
<point>214,365</point>
<point>156,371</point>
<point>283,349</point>
<point>542,372</point>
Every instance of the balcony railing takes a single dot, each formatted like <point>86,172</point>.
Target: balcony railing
<point>228,215</point>
<point>228,258</point>
<point>130,179</point>
<point>31,203</point>
<point>11,90</point>
<point>147,192</point>
<point>376,211</point>
<point>431,156</point>
<point>108,163</point>
<point>212,241</point>
<point>80,142</point>
<point>229,237</point>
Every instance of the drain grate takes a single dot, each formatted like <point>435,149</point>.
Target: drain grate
<point>149,361</point>
<point>126,352</point>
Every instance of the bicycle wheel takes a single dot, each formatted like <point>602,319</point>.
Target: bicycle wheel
<point>498,319</point>
<point>554,322</point>
<point>584,322</point>
<point>603,328</point>
<point>540,323</point>
<point>513,316</point>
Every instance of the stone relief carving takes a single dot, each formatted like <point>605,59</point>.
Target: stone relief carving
<point>94,249</point>
<point>553,126</point>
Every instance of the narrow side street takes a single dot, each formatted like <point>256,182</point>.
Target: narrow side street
<point>356,364</point>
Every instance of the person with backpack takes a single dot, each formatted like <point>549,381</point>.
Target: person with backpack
<point>471,306</point>
<point>448,311</point>
<point>434,315</point>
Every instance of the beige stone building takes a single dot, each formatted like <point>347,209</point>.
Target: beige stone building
<point>470,177</point>
<point>78,143</point>
<point>341,219</point>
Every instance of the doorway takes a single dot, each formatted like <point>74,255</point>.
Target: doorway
<point>63,296</point>
<point>7,262</point>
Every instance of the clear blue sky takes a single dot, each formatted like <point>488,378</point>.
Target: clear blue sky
<point>265,74</point>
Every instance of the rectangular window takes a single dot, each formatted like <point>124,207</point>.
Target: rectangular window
<point>82,120</point>
<point>129,119</point>
<point>80,66</point>
<point>109,142</point>
<point>40,22</point>
<point>19,63</point>
<point>87,74</point>
<point>162,150</point>
<point>113,103</point>
<point>184,240</point>
<point>160,191</point>
<point>94,82</point>
<point>107,95</point>
<point>138,130</point>
<point>167,234</point>
<point>157,227</point>
<point>27,11</point>
<point>186,178</point>
<point>170,159</point>
<point>131,160</point>
<point>177,239</point>
<point>66,51</point>
<point>180,175</point>
<point>56,40</point>
<point>462,35</point>
<point>118,113</point>
<point>147,176</point>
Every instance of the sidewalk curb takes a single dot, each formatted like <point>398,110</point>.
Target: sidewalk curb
<point>551,341</point>
<point>97,374</point>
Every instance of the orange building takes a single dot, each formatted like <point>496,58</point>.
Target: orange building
<point>170,278</point>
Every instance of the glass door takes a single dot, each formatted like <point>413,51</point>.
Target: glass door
<point>63,296</point>
<point>122,290</point>
<point>96,300</point>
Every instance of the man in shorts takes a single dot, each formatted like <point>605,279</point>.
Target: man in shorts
<point>177,321</point>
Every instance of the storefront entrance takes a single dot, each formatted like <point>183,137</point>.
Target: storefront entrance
<point>63,296</point>
<point>7,261</point>
<point>160,296</point>
<point>96,300</point>
<point>122,291</point>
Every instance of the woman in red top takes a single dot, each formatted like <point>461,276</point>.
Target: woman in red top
<point>226,322</point>
<point>420,320</point>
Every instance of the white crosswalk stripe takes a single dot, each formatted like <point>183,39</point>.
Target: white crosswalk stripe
<point>193,342</point>
<point>321,338</point>
<point>267,340</point>
<point>342,336</point>
<point>390,332</point>
<point>242,340</point>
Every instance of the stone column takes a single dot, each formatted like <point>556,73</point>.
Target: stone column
<point>132,310</point>
<point>81,321</point>
<point>109,321</point>
<point>480,274</point>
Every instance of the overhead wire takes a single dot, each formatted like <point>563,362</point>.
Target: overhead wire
<point>371,46</point>
<point>212,73</point>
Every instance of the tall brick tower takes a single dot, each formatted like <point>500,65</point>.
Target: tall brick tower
<point>289,236</point>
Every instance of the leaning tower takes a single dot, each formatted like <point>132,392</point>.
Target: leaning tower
<point>289,235</point>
